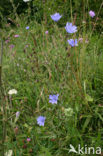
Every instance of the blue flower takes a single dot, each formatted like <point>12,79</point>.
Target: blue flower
<point>56,17</point>
<point>70,28</point>
<point>72,42</point>
<point>27,27</point>
<point>53,99</point>
<point>41,120</point>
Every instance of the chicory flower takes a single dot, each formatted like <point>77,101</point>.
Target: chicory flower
<point>56,17</point>
<point>70,28</point>
<point>53,99</point>
<point>72,42</point>
<point>41,120</point>
<point>27,27</point>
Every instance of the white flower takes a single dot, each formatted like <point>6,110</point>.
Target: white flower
<point>12,91</point>
<point>26,0</point>
<point>9,153</point>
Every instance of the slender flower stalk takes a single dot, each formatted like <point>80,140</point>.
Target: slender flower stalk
<point>3,103</point>
<point>1,60</point>
<point>14,10</point>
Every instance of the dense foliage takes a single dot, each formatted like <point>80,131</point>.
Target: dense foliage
<point>39,64</point>
<point>41,9</point>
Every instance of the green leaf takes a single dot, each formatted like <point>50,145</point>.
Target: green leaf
<point>45,152</point>
<point>99,115</point>
<point>88,98</point>
<point>86,123</point>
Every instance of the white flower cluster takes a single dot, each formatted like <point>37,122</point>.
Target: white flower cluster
<point>12,91</point>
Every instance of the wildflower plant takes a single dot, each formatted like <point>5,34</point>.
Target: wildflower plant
<point>73,42</point>
<point>46,32</point>
<point>41,120</point>
<point>91,13</point>
<point>56,17</point>
<point>70,28</point>
<point>17,114</point>
<point>57,68</point>
<point>28,139</point>
<point>12,91</point>
<point>27,27</point>
<point>11,46</point>
<point>16,36</point>
<point>53,99</point>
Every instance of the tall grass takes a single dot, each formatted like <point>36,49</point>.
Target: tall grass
<point>41,64</point>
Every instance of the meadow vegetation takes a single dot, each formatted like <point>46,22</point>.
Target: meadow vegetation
<point>38,63</point>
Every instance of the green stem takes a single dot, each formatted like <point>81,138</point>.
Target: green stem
<point>14,10</point>
<point>71,11</point>
<point>1,61</point>
<point>0,74</point>
<point>3,103</point>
